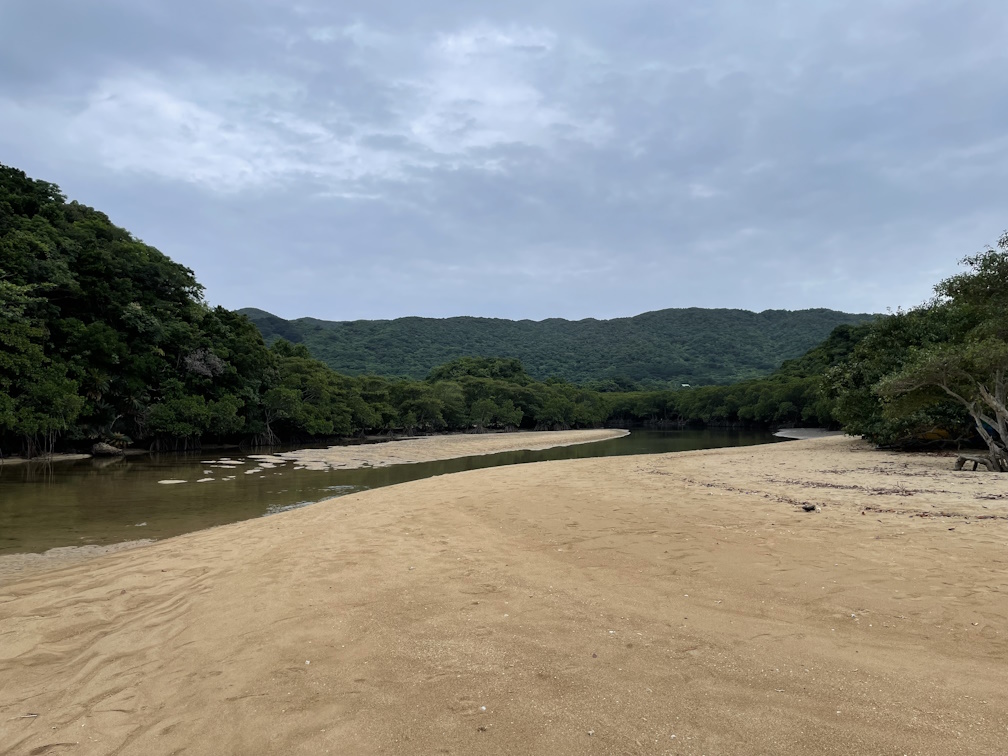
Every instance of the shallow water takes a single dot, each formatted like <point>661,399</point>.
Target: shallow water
<point>102,501</point>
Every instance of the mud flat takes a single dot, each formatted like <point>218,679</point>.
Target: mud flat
<point>680,604</point>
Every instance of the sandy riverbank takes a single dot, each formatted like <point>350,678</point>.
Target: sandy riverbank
<point>434,448</point>
<point>663,604</point>
<point>383,454</point>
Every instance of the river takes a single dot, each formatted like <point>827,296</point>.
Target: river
<point>107,501</point>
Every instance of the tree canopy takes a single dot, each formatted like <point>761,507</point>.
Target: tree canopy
<point>968,365</point>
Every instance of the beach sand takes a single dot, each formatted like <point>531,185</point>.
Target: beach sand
<point>680,604</point>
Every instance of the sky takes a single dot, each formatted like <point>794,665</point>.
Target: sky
<point>555,158</point>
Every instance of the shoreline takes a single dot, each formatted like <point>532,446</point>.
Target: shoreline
<point>393,452</point>
<point>437,448</point>
<point>338,450</point>
<point>676,603</point>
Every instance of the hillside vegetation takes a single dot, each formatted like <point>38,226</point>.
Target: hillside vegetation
<point>657,349</point>
<point>105,339</point>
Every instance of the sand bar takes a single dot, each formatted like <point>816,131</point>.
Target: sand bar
<point>434,448</point>
<point>680,604</point>
<point>803,434</point>
<point>44,459</point>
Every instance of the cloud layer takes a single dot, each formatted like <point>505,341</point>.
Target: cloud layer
<point>573,159</point>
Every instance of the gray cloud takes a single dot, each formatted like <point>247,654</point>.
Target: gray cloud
<point>524,160</point>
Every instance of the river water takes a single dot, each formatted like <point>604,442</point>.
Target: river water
<point>106,501</point>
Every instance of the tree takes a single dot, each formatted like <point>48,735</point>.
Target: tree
<point>970,367</point>
<point>884,351</point>
<point>482,413</point>
<point>508,415</point>
<point>37,400</point>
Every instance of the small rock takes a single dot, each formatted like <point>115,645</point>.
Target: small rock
<point>590,733</point>
<point>809,507</point>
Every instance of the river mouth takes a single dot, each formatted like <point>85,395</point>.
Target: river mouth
<point>102,502</point>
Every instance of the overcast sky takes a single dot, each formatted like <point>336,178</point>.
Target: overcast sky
<point>524,159</point>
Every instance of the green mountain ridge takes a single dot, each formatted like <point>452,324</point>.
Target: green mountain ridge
<point>660,348</point>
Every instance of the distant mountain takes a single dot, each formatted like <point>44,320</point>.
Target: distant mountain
<point>665,347</point>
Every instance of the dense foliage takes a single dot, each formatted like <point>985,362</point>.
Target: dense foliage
<point>103,338</point>
<point>793,395</point>
<point>945,365</point>
<point>655,350</point>
<point>106,339</point>
<point>854,385</point>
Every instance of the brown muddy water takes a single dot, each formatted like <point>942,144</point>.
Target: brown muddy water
<point>103,501</point>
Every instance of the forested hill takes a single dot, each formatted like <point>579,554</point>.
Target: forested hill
<point>106,342</point>
<point>665,347</point>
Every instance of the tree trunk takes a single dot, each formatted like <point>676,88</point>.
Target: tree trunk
<point>998,454</point>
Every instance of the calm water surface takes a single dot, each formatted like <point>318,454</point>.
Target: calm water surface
<point>108,501</point>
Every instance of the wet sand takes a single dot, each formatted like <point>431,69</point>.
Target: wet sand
<point>679,603</point>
